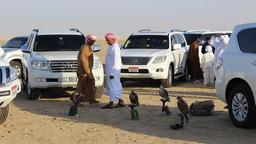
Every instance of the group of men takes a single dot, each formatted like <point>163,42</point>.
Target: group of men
<point>86,81</point>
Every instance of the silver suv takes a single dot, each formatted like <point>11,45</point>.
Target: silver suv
<point>50,60</point>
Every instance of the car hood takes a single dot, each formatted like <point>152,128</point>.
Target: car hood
<point>143,52</point>
<point>6,50</point>
<point>58,55</point>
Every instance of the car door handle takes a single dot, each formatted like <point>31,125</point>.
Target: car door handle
<point>254,63</point>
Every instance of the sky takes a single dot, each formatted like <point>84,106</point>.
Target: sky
<point>122,17</point>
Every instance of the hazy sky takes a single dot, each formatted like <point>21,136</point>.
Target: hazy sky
<point>123,17</point>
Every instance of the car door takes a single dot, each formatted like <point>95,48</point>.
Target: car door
<point>175,54</point>
<point>246,42</point>
<point>26,52</point>
<point>178,53</point>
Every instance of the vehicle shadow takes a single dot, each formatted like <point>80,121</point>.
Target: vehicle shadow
<point>212,129</point>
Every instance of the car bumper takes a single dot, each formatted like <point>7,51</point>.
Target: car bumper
<point>47,79</point>
<point>159,71</point>
<point>9,91</point>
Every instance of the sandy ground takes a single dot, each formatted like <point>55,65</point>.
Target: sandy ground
<point>46,121</point>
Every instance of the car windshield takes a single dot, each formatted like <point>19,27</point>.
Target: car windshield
<point>15,42</point>
<point>58,42</point>
<point>147,42</point>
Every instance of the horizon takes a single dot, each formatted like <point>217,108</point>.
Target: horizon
<point>123,17</point>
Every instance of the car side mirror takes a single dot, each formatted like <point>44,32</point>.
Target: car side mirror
<point>96,48</point>
<point>176,46</point>
<point>24,48</point>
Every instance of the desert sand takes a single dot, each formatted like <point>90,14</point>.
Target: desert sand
<point>47,122</point>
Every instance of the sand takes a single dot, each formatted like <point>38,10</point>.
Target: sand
<point>46,121</point>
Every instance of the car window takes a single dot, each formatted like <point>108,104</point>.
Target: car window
<point>180,40</point>
<point>190,37</point>
<point>58,42</point>
<point>247,40</point>
<point>15,42</point>
<point>147,42</point>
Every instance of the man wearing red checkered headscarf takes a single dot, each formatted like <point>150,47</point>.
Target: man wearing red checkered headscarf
<point>113,67</point>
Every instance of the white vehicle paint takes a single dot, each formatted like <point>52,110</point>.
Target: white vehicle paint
<point>236,80</point>
<point>155,55</point>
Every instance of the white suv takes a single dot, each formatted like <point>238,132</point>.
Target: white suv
<point>9,87</point>
<point>155,55</point>
<point>236,80</point>
<point>50,60</point>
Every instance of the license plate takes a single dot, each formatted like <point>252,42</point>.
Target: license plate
<point>68,79</point>
<point>133,69</point>
<point>5,93</point>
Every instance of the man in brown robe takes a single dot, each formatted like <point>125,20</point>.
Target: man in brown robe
<point>194,62</point>
<point>86,81</point>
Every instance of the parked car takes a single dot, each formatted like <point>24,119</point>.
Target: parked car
<point>13,53</point>
<point>202,34</point>
<point>236,80</point>
<point>155,55</point>
<point>9,87</point>
<point>50,60</point>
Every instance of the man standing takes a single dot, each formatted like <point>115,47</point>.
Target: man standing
<point>86,81</point>
<point>113,67</point>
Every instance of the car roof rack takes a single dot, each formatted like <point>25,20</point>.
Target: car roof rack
<point>144,30</point>
<point>76,30</point>
<point>35,30</point>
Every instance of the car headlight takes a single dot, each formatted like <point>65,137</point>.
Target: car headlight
<point>13,76</point>
<point>39,65</point>
<point>159,59</point>
<point>97,64</point>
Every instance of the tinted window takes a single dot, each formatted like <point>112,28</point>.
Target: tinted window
<point>180,40</point>
<point>147,42</point>
<point>15,42</point>
<point>191,37</point>
<point>58,42</point>
<point>247,40</point>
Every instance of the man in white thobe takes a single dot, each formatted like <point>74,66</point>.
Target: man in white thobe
<point>113,67</point>
<point>220,43</point>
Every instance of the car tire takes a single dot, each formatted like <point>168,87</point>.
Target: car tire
<point>33,94</point>
<point>18,68</point>
<point>242,110</point>
<point>167,83</point>
<point>4,113</point>
<point>99,91</point>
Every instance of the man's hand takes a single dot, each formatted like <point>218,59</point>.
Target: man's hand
<point>111,77</point>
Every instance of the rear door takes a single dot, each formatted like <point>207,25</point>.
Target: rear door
<point>246,41</point>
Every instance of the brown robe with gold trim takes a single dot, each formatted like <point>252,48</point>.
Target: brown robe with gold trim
<point>86,83</point>
<point>194,62</point>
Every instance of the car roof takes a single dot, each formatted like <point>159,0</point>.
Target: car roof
<point>59,33</point>
<point>159,33</point>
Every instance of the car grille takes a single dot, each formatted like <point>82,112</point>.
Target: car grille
<point>135,60</point>
<point>63,66</point>
<point>5,74</point>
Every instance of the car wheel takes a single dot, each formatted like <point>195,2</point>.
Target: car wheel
<point>99,91</point>
<point>167,83</point>
<point>4,113</point>
<point>33,94</point>
<point>242,110</point>
<point>18,68</point>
